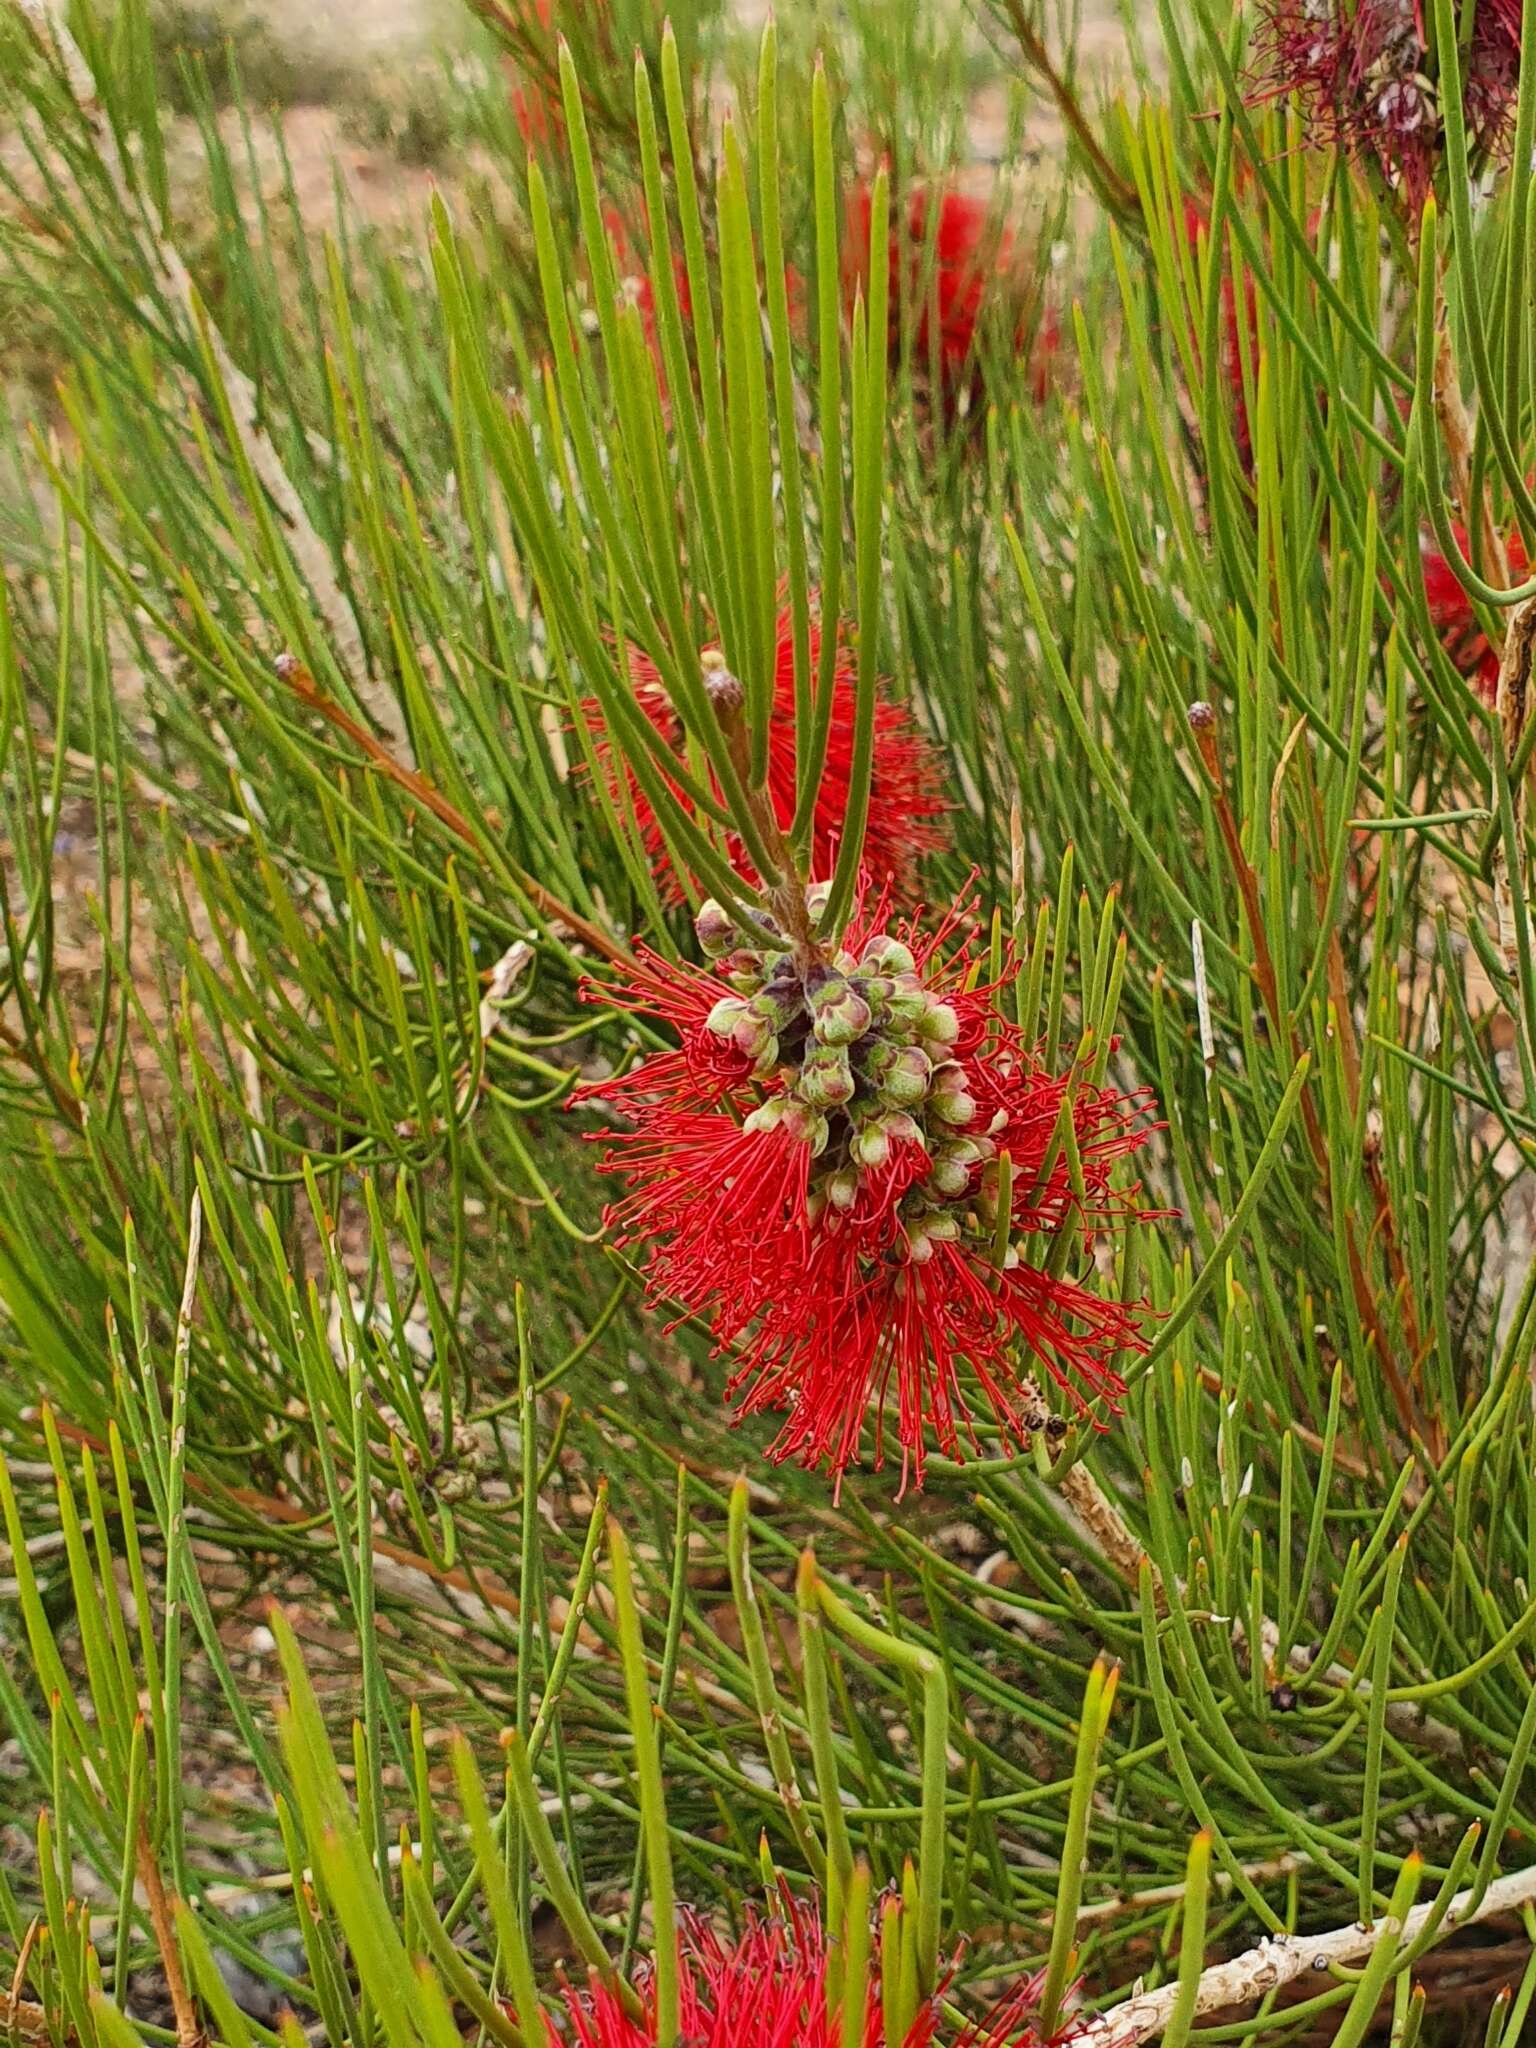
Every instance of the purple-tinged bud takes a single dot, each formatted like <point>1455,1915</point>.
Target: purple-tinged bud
<point>725,1016</point>
<point>839,1013</point>
<point>810,1125</point>
<point>885,955</point>
<point>826,1079</point>
<point>779,1003</point>
<point>909,1000</point>
<point>725,690</point>
<point>713,929</point>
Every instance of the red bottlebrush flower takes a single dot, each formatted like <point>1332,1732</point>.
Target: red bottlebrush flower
<point>1362,71</point>
<point>1450,608</point>
<point>949,272</point>
<point>844,1185</point>
<point>536,104</point>
<point>905,800</point>
<point>768,1989</point>
<point>1233,337</point>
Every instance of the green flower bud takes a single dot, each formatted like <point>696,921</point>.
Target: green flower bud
<point>870,1146</point>
<point>885,955</point>
<point>908,999</point>
<point>725,1016</point>
<point>938,1023</point>
<point>843,1188</point>
<point>826,1079</point>
<point>957,1109</point>
<point>949,1178</point>
<point>767,1116</point>
<point>949,1099</point>
<point>928,1230</point>
<point>904,1077</point>
<point>839,1013</point>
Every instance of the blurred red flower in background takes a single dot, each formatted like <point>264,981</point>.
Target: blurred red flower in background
<point>951,267</point>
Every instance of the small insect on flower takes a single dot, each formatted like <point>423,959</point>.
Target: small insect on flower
<point>845,1169</point>
<point>906,803</point>
<point>768,1989</point>
<point>1363,72</point>
<point>951,262</point>
<point>1450,608</point>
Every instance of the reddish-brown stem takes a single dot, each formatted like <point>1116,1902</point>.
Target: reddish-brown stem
<point>22,1049</point>
<point>786,892</point>
<point>1121,196</point>
<point>421,791</point>
<point>189,2034</point>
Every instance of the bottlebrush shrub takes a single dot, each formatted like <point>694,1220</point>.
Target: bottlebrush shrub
<point>1364,73</point>
<point>839,1169</point>
<point>769,1989</point>
<point>906,801</point>
<point>1450,608</point>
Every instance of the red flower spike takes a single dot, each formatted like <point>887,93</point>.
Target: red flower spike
<point>816,1173</point>
<point>972,262</point>
<point>905,800</point>
<point>1361,69</point>
<point>768,1989</point>
<point>1450,608</point>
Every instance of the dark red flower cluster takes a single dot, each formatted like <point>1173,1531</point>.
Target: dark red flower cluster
<point>769,1990</point>
<point>1451,610</point>
<point>1363,72</point>
<point>840,1170</point>
<point>949,267</point>
<point>905,799</point>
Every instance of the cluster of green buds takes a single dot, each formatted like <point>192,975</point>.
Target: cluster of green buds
<point>857,1048</point>
<point>457,1458</point>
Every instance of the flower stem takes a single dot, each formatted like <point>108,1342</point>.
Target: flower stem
<point>785,890</point>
